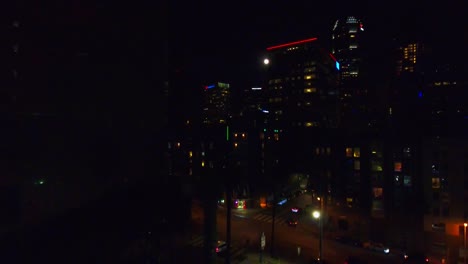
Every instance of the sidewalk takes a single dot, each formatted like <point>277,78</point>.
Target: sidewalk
<point>254,258</point>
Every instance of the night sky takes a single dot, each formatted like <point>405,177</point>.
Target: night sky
<point>217,40</point>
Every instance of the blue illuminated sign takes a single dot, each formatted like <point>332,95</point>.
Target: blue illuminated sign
<point>337,65</point>
<point>210,86</point>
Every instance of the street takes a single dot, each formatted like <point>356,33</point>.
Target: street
<point>247,226</point>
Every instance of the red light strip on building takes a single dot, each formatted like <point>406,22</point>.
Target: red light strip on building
<point>292,43</point>
<point>333,57</point>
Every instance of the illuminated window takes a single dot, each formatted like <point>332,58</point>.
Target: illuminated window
<point>378,192</point>
<point>328,151</point>
<point>310,124</point>
<point>317,151</point>
<point>178,144</point>
<point>235,135</point>
<point>407,181</point>
<point>235,145</point>
<point>310,69</point>
<point>357,152</point>
<point>407,152</point>
<point>190,171</point>
<point>397,180</point>
<point>349,152</point>
<point>397,166</point>
<point>310,90</point>
<point>190,154</point>
<point>435,183</point>
<point>203,163</point>
<point>376,165</point>
<point>377,153</point>
<point>276,137</point>
<point>309,77</point>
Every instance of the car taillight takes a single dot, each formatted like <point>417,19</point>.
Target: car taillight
<point>427,260</point>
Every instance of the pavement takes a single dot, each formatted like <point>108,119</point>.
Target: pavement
<point>255,258</point>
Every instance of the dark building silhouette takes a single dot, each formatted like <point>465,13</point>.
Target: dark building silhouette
<point>87,112</point>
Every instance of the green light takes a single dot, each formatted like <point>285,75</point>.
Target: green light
<point>227,133</point>
<point>264,130</point>
<point>276,130</point>
<point>39,182</point>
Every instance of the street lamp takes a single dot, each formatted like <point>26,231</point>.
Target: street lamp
<point>316,214</point>
<point>266,61</point>
<point>319,215</point>
<point>464,239</point>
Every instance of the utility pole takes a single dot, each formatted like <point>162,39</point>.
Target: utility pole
<point>209,221</point>
<point>228,218</point>
<point>322,215</point>
<point>228,175</point>
<point>273,215</point>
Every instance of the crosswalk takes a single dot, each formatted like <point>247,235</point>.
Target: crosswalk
<point>237,251</point>
<point>281,218</point>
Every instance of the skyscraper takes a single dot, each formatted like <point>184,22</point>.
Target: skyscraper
<point>216,103</point>
<point>347,47</point>
<point>301,109</point>
<point>409,56</point>
<point>302,86</point>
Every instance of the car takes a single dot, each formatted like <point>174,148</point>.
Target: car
<point>221,246</point>
<point>374,246</point>
<point>296,210</point>
<point>415,257</point>
<point>292,222</point>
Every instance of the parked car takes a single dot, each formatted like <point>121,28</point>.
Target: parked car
<point>292,222</point>
<point>296,210</point>
<point>221,246</point>
<point>374,246</point>
<point>415,257</point>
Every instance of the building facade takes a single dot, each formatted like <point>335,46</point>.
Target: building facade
<point>348,46</point>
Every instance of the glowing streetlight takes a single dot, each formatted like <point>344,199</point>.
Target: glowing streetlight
<point>316,214</point>
<point>266,61</point>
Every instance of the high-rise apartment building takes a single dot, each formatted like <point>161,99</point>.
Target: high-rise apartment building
<point>347,46</point>
<point>301,110</point>
<point>216,105</point>
<point>409,57</point>
<point>302,86</point>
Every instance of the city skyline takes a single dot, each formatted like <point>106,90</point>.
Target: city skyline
<point>230,42</point>
<point>141,128</point>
